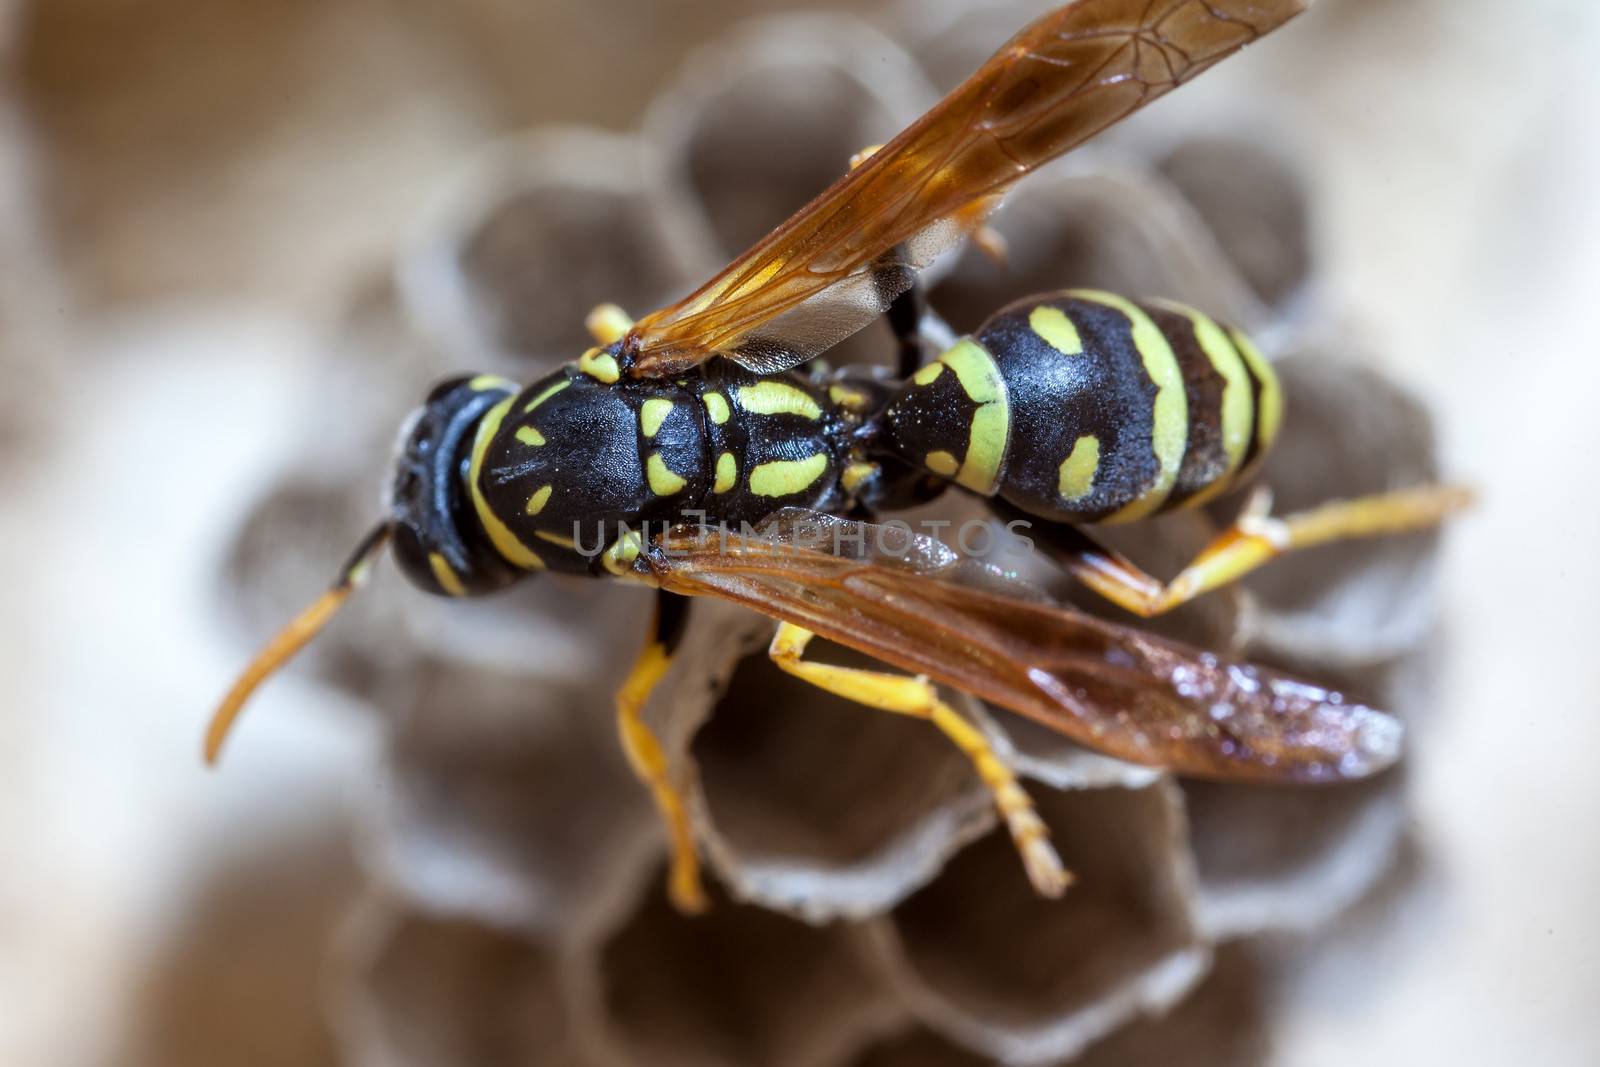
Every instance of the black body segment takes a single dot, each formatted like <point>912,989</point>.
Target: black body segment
<point>437,540</point>
<point>1085,407</point>
<point>1075,407</point>
<point>776,442</point>
<point>564,469</point>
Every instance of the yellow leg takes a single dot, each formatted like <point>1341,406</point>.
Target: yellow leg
<point>649,762</point>
<point>607,324</point>
<point>917,697</point>
<point>1255,538</point>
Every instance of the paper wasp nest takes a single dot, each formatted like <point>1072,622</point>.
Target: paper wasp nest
<point>869,913</point>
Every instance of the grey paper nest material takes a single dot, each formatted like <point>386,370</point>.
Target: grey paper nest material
<point>870,914</point>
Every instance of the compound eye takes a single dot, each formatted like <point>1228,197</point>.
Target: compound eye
<point>437,543</point>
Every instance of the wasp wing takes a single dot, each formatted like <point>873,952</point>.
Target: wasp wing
<point>839,262</point>
<point>1109,687</point>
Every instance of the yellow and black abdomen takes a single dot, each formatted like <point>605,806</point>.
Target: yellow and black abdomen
<point>1087,407</point>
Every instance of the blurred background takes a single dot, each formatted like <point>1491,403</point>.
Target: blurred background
<point>214,214</point>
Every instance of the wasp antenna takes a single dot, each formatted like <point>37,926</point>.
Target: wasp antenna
<point>295,636</point>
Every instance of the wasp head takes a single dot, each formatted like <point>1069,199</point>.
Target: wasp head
<point>438,541</point>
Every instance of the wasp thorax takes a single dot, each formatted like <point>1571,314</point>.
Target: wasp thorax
<point>576,459</point>
<point>438,542</point>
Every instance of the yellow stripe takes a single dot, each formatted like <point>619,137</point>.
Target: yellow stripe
<point>445,576</point>
<point>599,365</point>
<point>1269,412</point>
<point>663,480</point>
<point>1057,329</point>
<point>555,539</point>
<point>505,542</point>
<point>926,375</point>
<point>941,463</point>
<point>529,436</point>
<point>845,397</point>
<point>1238,401</point>
<point>990,431</point>
<point>623,551</point>
<point>717,407</point>
<point>653,414</point>
<point>547,394</point>
<point>857,473</point>
<point>783,477</point>
<point>777,398</point>
<point>1079,468</point>
<point>727,473</point>
<point>485,382</point>
<point>1169,436</point>
<point>538,500</point>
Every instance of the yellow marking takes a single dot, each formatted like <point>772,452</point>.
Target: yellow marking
<point>856,474</point>
<point>653,414</point>
<point>990,431</point>
<point>447,578</point>
<point>986,447</point>
<point>663,482</point>
<point>1057,329</point>
<point>845,397</point>
<point>1078,469</point>
<point>926,375</point>
<point>777,398</point>
<point>599,365</point>
<point>623,551</point>
<point>783,477</point>
<point>608,324</point>
<point>941,463</point>
<point>538,500</point>
<point>727,473</point>
<point>505,542</point>
<point>1169,430</point>
<point>547,394</point>
<point>529,436</point>
<point>717,407</point>
<point>1269,411</point>
<point>555,539</point>
<point>1237,404</point>
<point>484,382</point>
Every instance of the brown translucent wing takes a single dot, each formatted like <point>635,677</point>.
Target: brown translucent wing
<point>838,262</point>
<point>1112,688</point>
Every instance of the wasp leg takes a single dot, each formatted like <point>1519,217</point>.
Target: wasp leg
<point>644,751</point>
<point>917,697</point>
<point>1254,538</point>
<point>905,321</point>
<point>607,324</point>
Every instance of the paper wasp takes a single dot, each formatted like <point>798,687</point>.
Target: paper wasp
<point>686,452</point>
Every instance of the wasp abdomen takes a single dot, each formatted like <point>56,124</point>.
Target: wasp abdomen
<point>1087,407</point>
